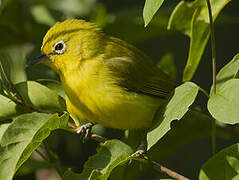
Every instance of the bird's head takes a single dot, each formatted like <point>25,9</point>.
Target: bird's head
<point>69,43</point>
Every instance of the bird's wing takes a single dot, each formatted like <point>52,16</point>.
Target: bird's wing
<point>136,72</point>
<point>141,79</point>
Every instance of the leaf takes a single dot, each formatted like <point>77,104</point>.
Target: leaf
<point>167,65</point>
<point>45,16</point>
<point>110,155</point>
<point>54,85</point>
<point>9,109</point>
<point>199,38</point>
<point>224,105</point>
<point>22,137</point>
<point>40,96</point>
<point>228,72</point>
<point>174,109</point>
<point>223,165</point>
<point>194,16</point>
<point>17,58</point>
<point>3,128</point>
<point>150,8</point>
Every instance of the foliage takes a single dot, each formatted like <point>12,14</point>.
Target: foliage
<point>32,100</point>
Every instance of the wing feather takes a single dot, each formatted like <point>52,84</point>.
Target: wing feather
<point>136,71</point>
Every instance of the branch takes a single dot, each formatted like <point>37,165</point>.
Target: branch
<point>19,101</point>
<point>213,45</point>
<point>167,171</point>
<point>154,164</point>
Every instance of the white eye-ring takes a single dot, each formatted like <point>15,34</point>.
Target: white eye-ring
<point>59,47</point>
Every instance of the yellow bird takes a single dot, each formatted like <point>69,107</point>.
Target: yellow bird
<point>106,80</point>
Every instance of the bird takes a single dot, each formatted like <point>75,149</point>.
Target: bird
<point>107,81</point>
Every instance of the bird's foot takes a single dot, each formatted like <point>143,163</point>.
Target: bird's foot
<point>142,149</point>
<point>85,131</point>
<point>139,153</point>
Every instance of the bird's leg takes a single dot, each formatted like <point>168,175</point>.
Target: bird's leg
<point>142,148</point>
<point>85,131</point>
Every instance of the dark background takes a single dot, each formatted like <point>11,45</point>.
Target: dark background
<point>187,146</point>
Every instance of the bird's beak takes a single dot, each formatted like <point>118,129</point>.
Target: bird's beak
<point>37,59</point>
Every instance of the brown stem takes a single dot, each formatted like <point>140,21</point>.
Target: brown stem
<point>167,171</point>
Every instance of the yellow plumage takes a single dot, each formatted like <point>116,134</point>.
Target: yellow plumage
<point>106,80</point>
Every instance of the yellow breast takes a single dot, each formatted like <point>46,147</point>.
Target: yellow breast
<point>93,95</point>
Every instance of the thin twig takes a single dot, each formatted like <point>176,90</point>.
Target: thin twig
<point>10,82</point>
<point>213,47</point>
<point>154,164</point>
<point>19,101</point>
<point>42,155</point>
<point>167,171</point>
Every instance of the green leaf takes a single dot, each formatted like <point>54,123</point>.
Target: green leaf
<point>110,155</point>
<point>40,96</point>
<point>17,54</point>
<point>3,128</point>
<point>9,109</point>
<point>223,165</point>
<point>199,38</point>
<point>53,85</point>
<point>23,136</point>
<point>233,162</point>
<point>194,16</point>
<point>42,15</point>
<point>224,105</point>
<point>174,109</point>
<point>167,65</point>
<point>228,72</point>
<point>150,8</point>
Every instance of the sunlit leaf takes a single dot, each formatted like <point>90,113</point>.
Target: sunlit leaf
<point>224,105</point>
<point>22,137</point>
<point>53,85</point>
<point>40,96</point>
<point>174,109</point>
<point>228,72</point>
<point>3,128</point>
<point>150,8</point>
<point>194,16</point>
<point>223,165</point>
<point>110,154</point>
<point>9,109</point>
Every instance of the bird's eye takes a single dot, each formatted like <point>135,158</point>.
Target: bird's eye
<point>59,47</point>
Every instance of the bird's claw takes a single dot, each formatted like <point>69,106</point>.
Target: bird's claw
<point>85,131</point>
<point>139,153</point>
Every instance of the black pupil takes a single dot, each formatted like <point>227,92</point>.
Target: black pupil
<point>59,46</point>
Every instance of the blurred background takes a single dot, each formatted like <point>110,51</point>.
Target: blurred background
<point>23,24</point>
